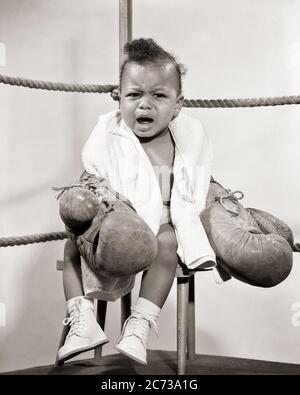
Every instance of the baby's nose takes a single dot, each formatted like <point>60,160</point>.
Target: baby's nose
<point>144,103</point>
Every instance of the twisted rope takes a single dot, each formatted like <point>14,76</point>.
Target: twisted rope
<point>198,103</point>
<point>56,86</point>
<point>31,239</point>
<point>230,103</point>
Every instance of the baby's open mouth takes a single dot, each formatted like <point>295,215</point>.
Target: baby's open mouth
<point>144,120</point>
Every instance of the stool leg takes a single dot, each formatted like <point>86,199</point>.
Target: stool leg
<point>101,315</point>
<point>191,320</point>
<point>62,339</point>
<point>125,308</point>
<point>182,303</point>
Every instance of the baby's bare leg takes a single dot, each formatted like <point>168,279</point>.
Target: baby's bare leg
<point>157,280</point>
<point>72,279</point>
<point>155,287</point>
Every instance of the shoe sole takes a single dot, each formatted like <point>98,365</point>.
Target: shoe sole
<point>81,350</point>
<point>130,355</point>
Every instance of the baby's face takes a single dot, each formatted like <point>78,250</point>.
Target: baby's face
<point>149,98</point>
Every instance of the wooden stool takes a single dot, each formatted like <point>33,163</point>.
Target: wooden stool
<point>185,317</point>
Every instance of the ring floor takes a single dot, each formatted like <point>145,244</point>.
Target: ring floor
<point>163,363</point>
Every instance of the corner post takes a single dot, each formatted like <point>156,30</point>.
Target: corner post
<point>125,26</point>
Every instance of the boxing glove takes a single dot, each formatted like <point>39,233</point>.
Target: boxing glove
<point>116,241</point>
<point>242,249</point>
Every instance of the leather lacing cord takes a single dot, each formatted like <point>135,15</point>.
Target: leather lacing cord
<point>232,196</point>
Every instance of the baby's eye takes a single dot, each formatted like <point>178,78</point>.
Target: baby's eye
<point>159,95</point>
<point>133,94</point>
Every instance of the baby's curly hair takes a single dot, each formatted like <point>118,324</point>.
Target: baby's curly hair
<point>146,50</point>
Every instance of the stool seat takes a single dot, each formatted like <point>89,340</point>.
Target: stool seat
<point>185,316</point>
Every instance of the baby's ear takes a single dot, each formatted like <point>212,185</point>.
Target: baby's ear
<point>115,94</point>
<point>178,106</point>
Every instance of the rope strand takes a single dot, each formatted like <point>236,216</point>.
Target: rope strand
<point>56,86</point>
<point>31,239</point>
<point>248,102</point>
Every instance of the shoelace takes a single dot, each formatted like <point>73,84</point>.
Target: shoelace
<point>76,320</point>
<point>139,324</point>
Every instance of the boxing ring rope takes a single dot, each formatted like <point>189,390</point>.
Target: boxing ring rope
<point>189,103</point>
<point>31,239</point>
<point>56,86</point>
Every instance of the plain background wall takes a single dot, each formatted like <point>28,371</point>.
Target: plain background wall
<point>232,49</point>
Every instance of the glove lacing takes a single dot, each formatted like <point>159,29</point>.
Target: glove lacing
<point>95,185</point>
<point>233,197</point>
<point>92,186</point>
<point>64,189</point>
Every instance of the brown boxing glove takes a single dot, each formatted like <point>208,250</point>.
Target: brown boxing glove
<point>112,238</point>
<point>241,247</point>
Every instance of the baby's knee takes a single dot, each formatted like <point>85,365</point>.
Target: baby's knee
<point>167,252</point>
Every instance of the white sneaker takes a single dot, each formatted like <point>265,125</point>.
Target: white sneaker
<point>85,333</point>
<point>134,336</point>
